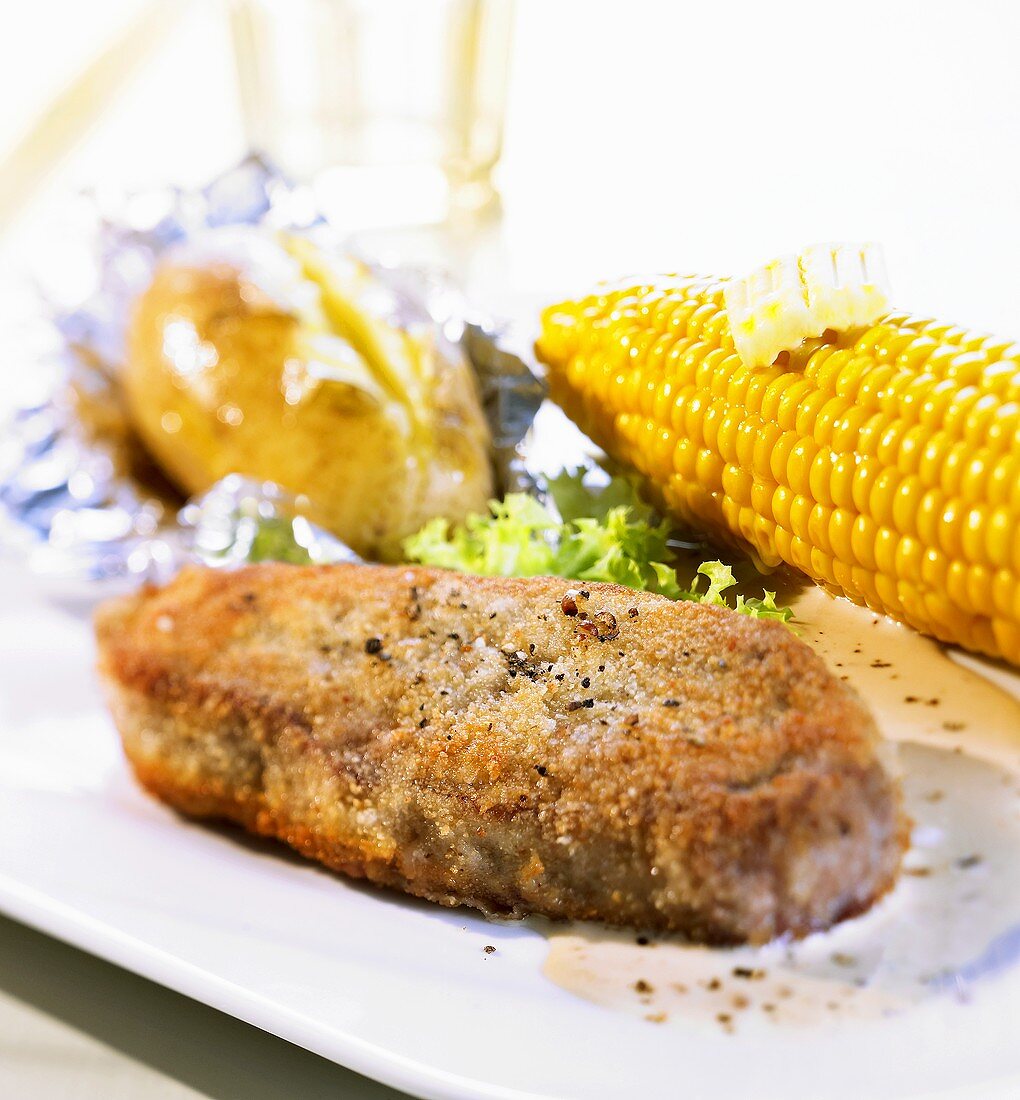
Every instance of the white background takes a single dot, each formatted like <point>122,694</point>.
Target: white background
<point>641,136</point>
<point>650,136</point>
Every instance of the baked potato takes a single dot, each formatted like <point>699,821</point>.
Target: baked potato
<point>268,357</point>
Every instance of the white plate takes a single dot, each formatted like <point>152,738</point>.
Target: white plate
<point>394,988</point>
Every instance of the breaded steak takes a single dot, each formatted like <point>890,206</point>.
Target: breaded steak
<point>504,744</point>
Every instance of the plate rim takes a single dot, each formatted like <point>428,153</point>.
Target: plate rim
<point>36,909</point>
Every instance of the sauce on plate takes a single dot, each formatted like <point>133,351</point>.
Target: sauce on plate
<point>953,919</point>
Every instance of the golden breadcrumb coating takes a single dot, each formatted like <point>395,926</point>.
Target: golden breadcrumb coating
<point>506,744</point>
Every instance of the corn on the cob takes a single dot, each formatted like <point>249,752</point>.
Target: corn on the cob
<point>883,462</point>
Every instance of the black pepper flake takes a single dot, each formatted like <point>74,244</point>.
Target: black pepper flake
<point>671,702</point>
<point>641,941</point>
<point>453,637</point>
<point>748,973</point>
<point>560,676</point>
<point>489,949</point>
<point>602,668</point>
<point>373,645</point>
<point>632,612</point>
<point>423,723</point>
<point>967,862</point>
<point>641,986</point>
<point>325,649</point>
<point>607,627</point>
<point>517,663</point>
<point>586,682</point>
<point>541,769</point>
<point>493,615</point>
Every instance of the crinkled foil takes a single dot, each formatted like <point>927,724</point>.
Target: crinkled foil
<point>83,504</point>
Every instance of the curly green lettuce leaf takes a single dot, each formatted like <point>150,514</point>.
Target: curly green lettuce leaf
<point>575,499</point>
<point>273,540</point>
<point>514,540</point>
<point>720,578</point>
<point>601,534</point>
<point>764,608</point>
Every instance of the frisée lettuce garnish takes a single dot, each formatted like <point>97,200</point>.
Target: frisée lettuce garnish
<point>606,534</point>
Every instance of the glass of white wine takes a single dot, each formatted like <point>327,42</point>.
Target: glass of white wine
<point>394,108</point>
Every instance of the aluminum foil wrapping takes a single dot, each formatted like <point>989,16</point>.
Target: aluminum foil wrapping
<point>77,503</point>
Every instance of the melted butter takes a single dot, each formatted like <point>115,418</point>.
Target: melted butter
<point>952,921</point>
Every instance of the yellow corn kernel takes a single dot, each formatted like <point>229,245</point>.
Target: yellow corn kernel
<point>883,462</point>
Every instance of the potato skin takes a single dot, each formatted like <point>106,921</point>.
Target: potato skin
<point>206,390</point>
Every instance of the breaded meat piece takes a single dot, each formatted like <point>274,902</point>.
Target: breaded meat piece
<point>518,745</point>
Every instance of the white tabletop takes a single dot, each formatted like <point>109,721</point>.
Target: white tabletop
<point>671,137</point>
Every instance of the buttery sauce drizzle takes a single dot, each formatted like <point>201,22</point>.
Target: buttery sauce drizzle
<point>954,917</point>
